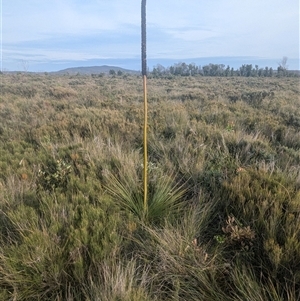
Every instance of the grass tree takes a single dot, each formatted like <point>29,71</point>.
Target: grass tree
<point>160,198</point>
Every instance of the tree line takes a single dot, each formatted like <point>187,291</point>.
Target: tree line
<point>246,70</point>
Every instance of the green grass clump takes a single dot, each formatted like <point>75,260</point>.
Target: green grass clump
<point>164,200</point>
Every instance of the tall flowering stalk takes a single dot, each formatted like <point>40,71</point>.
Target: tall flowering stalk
<point>144,74</point>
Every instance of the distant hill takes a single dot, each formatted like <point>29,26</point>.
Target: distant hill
<point>94,70</point>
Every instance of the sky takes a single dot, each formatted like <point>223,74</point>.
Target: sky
<point>50,35</point>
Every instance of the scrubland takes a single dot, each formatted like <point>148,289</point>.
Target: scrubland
<point>223,218</point>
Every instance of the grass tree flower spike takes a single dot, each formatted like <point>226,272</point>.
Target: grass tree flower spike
<point>144,74</point>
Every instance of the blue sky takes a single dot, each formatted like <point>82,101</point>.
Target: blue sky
<point>48,35</point>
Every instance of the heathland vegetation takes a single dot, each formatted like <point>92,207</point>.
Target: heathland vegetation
<point>223,219</point>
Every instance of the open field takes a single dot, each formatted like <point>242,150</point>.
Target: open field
<point>223,221</point>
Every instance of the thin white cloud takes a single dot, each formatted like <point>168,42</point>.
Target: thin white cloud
<point>27,20</point>
<point>192,35</point>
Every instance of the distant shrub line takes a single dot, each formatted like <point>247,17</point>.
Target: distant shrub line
<point>246,70</point>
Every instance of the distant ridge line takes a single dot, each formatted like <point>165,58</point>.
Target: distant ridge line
<point>94,70</point>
